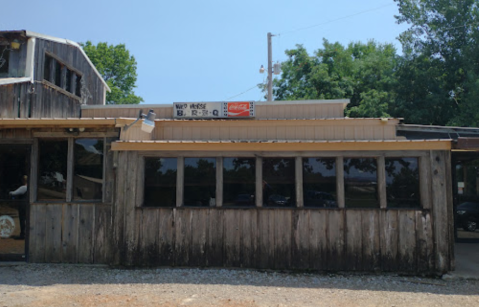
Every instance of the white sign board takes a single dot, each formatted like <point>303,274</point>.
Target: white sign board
<point>237,109</point>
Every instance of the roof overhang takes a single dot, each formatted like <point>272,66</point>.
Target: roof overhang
<point>9,123</point>
<point>249,146</point>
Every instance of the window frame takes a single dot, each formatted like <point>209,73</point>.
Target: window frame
<point>70,169</point>
<point>339,156</point>
<point>74,82</point>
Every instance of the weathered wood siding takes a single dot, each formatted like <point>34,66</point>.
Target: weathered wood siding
<point>70,233</point>
<point>407,240</point>
<point>41,100</point>
<point>15,136</point>
<point>71,56</point>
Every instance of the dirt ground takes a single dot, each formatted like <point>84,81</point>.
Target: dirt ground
<point>75,285</point>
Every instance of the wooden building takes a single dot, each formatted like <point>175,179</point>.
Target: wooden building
<point>44,76</point>
<point>292,185</point>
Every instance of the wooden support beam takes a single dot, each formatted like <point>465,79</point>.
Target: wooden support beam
<point>259,181</point>
<point>340,181</point>
<point>299,181</point>
<point>219,181</point>
<point>381,173</point>
<point>180,169</point>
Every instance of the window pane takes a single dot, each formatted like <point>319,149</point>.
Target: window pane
<point>160,182</point>
<point>319,182</point>
<point>4,61</point>
<point>88,169</point>
<point>46,67</point>
<point>360,183</point>
<point>239,181</point>
<point>52,166</point>
<point>402,182</point>
<point>278,182</point>
<point>200,182</point>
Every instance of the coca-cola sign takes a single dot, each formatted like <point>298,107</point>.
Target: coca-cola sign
<point>237,109</point>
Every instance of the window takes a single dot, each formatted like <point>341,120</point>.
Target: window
<point>80,180</point>
<point>62,76</point>
<point>319,182</point>
<point>279,182</point>
<point>88,169</point>
<point>52,170</point>
<point>4,60</point>
<point>402,182</point>
<point>200,182</point>
<point>160,182</point>
<point>239,182</point>
<point>360,183</point>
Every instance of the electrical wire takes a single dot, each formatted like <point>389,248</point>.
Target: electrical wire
<point>256,86</point>
<point>334,20</point>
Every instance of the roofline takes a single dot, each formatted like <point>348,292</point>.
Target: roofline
<point>258,103</point>
<point>71,43</point>
<point>57,122</point>
<point>431,128</point>
<point>271,146</point>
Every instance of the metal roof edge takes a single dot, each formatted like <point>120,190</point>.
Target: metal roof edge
<point>296,102</point>
<point>71,43</point>
<point>7,81</point>
<point>126,106</point>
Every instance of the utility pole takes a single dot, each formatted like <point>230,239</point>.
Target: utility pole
<point>270,68</point>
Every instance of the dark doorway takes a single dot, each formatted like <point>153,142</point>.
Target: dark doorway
<point>465,171</point>
<point>14,205</point>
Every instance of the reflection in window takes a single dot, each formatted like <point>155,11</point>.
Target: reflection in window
<point>52,169</point>
<point>319,182</point>
<point>402,182</point>
<point>88,169</point>
<point>160,182</point>
<point>360,183</point>
<point>4,60</point>
<point>278,182</point>
<point>239,182</point>
<point>200,182</point>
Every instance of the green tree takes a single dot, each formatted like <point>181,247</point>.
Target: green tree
<point>441,61</point>
<point>364,73</point>
<point>118,69</point>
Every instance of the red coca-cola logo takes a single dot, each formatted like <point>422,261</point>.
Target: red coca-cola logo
<point>238,109</point>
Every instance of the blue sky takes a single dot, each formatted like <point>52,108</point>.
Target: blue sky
<point>207,50</point>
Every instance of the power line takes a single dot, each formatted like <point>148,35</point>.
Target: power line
<point>334,20</point>
<point>242,92</point>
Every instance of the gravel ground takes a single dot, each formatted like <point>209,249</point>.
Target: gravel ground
<point>76,285</point>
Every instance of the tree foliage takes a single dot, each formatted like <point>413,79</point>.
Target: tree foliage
<point>441,61</point>
<point>434,81</point>
<point>360,72</point>
<point>118,69</point>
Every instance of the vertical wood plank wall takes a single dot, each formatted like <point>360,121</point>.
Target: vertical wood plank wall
<point>70,233</point>
<point>409,240</point>
<point>24,100</point>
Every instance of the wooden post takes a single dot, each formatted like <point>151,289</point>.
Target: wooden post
<point>381,173</point>
<point>33,182</point>
<point>219,181</point>
<point>299,181</point>
<point>259,182</point>
<point>70,171</point>
<point>340,181</point>
<point>180,165</point>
